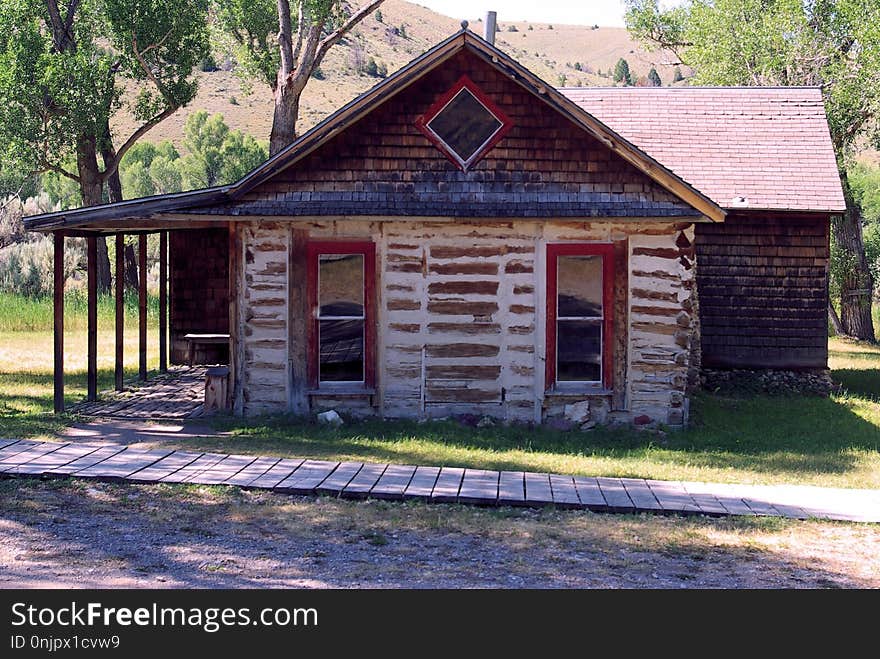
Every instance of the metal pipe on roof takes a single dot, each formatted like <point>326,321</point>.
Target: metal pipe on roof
<point>489,26</point>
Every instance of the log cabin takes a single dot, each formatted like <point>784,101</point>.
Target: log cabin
<point>465,239</point>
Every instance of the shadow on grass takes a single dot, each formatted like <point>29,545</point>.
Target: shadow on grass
<point>859,382</point>
<point>27,402</point>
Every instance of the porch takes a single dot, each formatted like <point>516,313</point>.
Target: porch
<point>176,394</point>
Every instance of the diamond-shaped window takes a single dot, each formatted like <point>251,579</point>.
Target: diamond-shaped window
<point>464,124</point>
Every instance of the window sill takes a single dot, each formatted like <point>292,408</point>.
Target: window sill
<point>577,391</point>
<point>348,390</point>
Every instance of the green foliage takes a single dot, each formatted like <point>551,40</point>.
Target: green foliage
<point>378,15</point>
<point>249,28</point>
<point>561,80</point>
<point>864,182</point>
<point>382,70</point>
<point>401,31</point>
<point>370,68</point>
<point>676,74</point>
<point>578,66</point>
<point>136,180</point>
<point>26,268</point>
<point>622,72</point>
<point>55,92</point>
<point>654,78</point>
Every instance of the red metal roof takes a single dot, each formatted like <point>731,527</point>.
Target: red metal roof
<point>769,145</point>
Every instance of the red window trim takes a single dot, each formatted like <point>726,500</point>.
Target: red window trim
<point>581,249</point>
<point>368,249</point>
<point>464,83</point>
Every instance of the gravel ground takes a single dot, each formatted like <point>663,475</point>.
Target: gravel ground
<point>85,534</point>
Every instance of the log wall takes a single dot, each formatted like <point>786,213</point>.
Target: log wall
<point>461,322</point>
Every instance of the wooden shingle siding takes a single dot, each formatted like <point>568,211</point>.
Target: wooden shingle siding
<point>763,289</point>
<point>199,286</point>
<point>384,166</point>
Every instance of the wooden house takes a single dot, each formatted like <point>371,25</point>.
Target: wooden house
<point>464,238</point>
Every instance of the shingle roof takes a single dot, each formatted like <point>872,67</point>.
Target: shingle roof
<point>768,144</point>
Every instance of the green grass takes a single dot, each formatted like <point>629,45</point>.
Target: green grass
<point>821,441</point>
<point>25,314</point>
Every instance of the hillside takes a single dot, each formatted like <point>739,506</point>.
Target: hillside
<point>550,52</point>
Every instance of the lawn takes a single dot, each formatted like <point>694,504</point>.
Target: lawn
<point>807,440</point>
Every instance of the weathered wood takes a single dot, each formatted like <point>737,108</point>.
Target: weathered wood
<point>235,392</point>
<point>359,486</point>
<point>538,488</point>
<point>307,477</point>
<point>422,483</point>
<point>640,494</point>
<point>119,298</point>
<point>672,496</point>
<point>297,326</point>
<point>193,469</point>
<point>54,459</point>
<point>281,470</point>
<point>511,488</point>
<point>252,472</point>
<point>142,307</point>
<point>17,447</point>
<point>448,484</point>
<point>337,481</point>
<point>122,464</point>
<point>4,443</point>
<point>393,482</point>
<point>96,457</point>
<point>615,495</point>
<point>164,467</point>
<point>564,492</point>
<point>38,451</point>
<point>58,322</point>
<point>479,486</point>
<point>163,301</point>
<point>223,470</point>
<point>589,493</point>
<point>621,324</point>
<point>92,318</point>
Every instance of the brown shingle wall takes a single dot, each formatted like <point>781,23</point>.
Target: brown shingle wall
<point>383,165</point>
<point>199,278</point>
<point>762,281</point>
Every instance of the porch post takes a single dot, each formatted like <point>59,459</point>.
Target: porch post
<point>142,307</point>
<point>120,310</point>
<point>163,301</point>
<point>92,284</point>
<point>58,282</point>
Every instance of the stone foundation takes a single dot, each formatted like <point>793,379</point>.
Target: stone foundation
<point>815,382</point>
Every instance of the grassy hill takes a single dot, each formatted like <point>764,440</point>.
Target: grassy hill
<point>549,51</point>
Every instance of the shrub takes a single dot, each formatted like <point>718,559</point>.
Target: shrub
<point>512,28</point>
<point>209,64</point>
<point>378,16</point>
<point>26,268</point>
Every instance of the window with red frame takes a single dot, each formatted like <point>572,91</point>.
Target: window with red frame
<point>341,289</point>
<point>580,279</point>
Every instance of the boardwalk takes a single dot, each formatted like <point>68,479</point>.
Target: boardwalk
<point>177,394</point>
<point>111,462</point>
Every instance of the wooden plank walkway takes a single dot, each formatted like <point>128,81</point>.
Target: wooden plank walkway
<point>177,394</point>
<point>21,459</point>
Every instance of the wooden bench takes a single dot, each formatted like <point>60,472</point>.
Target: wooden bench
<point>203,339</point>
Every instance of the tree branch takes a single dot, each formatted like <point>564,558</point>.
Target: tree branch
<point>285,46</point>
<point>333,38</point>
<point>49,167</point>
<point>300,31</point>
<point>109,168</point>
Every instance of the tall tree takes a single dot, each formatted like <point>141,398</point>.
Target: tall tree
<point>622,72</point>
<point>654,78</point>
<point>67,69</point>
<point>281,43</point>
<point>833,44</point>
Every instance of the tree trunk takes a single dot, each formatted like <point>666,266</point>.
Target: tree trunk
<point>835,320</point>
<point>114,189</point>
<point>284,119</point>
<point>91,189</point>
<point>856,285</point>
<point>131,267</point>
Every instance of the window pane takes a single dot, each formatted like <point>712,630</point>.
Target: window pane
<point>464,124</point>
<point>579,286</point>
<point>342,350</point>
<point>578,351</point>
<point>341,284</point>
